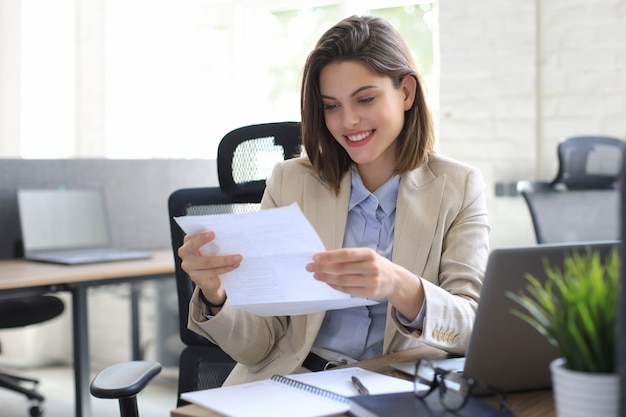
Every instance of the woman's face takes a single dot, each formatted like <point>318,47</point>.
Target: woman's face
<point>365,112</point>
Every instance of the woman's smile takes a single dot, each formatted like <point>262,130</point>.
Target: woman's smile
<point>359,138</point>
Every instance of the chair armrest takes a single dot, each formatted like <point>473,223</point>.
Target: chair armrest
<point>125,379</point>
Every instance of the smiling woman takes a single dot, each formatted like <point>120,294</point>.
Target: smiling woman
<point>353,95</point>
<point>143,79</point>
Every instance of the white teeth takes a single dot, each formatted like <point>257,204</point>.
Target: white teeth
<point>359,137</point>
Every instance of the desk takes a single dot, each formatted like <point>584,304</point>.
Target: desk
<point>21,277</point>
<point>526,404</point>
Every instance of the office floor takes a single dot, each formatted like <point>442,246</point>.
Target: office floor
<point>57,385</point>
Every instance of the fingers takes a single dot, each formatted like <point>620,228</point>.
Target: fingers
<point>205,270</point>
<point>192,244</point>
<point>194,255</point>
<point>356,271</point>
<point>348,261</point>
<point>345,255</point>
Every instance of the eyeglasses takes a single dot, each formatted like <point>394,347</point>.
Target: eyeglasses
<point>454,389</point>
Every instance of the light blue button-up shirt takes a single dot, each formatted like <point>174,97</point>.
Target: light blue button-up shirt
<point>358,332</point>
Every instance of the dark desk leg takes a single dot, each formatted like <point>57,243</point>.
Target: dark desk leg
<point>135,291</point>
<point>81,351</point>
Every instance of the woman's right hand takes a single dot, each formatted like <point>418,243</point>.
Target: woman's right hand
<point>205,270</point>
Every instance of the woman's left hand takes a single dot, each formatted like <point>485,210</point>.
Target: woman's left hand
<point>356,271</point>
<point>364,273</point>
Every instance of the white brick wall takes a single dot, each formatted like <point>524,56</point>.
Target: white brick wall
<point>517,76</point>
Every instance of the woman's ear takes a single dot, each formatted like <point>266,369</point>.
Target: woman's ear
<point>409,87</point>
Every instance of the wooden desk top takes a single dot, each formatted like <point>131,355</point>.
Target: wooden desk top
<point>20,273</point>
<point>526,404</point>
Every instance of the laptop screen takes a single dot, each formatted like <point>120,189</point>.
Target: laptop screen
<point>63,219</point>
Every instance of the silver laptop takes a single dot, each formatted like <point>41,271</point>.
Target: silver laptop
<point>68,226</point>
<point>504,351</point>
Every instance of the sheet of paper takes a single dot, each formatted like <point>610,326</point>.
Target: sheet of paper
<point>340,381</point>
<point>276,244</point>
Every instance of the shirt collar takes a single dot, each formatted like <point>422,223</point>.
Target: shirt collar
<point>387,194</point>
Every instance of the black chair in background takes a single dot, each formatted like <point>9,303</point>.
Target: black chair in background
<point>582,202</point>
<point>245,159</point>
<point>21,312</point>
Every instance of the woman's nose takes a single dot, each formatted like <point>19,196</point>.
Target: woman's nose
<point>350,117</point>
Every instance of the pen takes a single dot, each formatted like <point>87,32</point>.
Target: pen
<point>359,386</point>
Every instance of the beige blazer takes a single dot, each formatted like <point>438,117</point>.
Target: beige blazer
<point>441,235</point>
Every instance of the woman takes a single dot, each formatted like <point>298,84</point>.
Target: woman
<point>401,224</point>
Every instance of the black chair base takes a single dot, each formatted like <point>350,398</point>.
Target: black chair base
<point>20,312</point>
<point>18,384</point>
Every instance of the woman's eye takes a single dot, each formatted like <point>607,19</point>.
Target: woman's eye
<point>366,100</point>
<point>329,107</point>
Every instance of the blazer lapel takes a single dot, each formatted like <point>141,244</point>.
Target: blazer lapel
<point>328,214</point>
<point>420,196</point>
<point>417,214</point>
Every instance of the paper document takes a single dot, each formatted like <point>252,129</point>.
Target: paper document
<point>276,244</point>
<point>339,381</point>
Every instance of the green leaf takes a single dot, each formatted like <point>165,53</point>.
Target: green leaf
<point>575,309</point>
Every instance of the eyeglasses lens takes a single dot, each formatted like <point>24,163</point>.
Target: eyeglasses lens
<point>425,376</point>
<point>453,390</point>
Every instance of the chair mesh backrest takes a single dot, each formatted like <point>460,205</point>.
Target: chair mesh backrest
<point>253,160</point>
<point>582,203</point>
<point>202,367</point>
<point>222,209</point>
<point>589,161</point>
<point>246,156</point>
<point>573,215</point>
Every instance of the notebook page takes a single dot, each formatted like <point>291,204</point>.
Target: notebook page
<point>340,381</point>
<point>266,398</point>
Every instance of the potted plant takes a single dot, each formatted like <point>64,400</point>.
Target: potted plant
<point>576,309</point>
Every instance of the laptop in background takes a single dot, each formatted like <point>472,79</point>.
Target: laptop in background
<point>68,226</point>
<point>504,351</point>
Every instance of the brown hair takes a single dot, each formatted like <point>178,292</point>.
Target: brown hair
<point>374,43</point>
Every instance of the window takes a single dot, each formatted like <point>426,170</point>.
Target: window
<point>169,78</point>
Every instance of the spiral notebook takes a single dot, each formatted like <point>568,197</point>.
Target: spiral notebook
<point>278,396</point>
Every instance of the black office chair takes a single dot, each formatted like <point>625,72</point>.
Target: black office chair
<point>245,159</point>
<point>582,202</point>
<point>21,312</point>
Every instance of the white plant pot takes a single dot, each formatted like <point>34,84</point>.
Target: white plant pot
<point>584,394</point>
